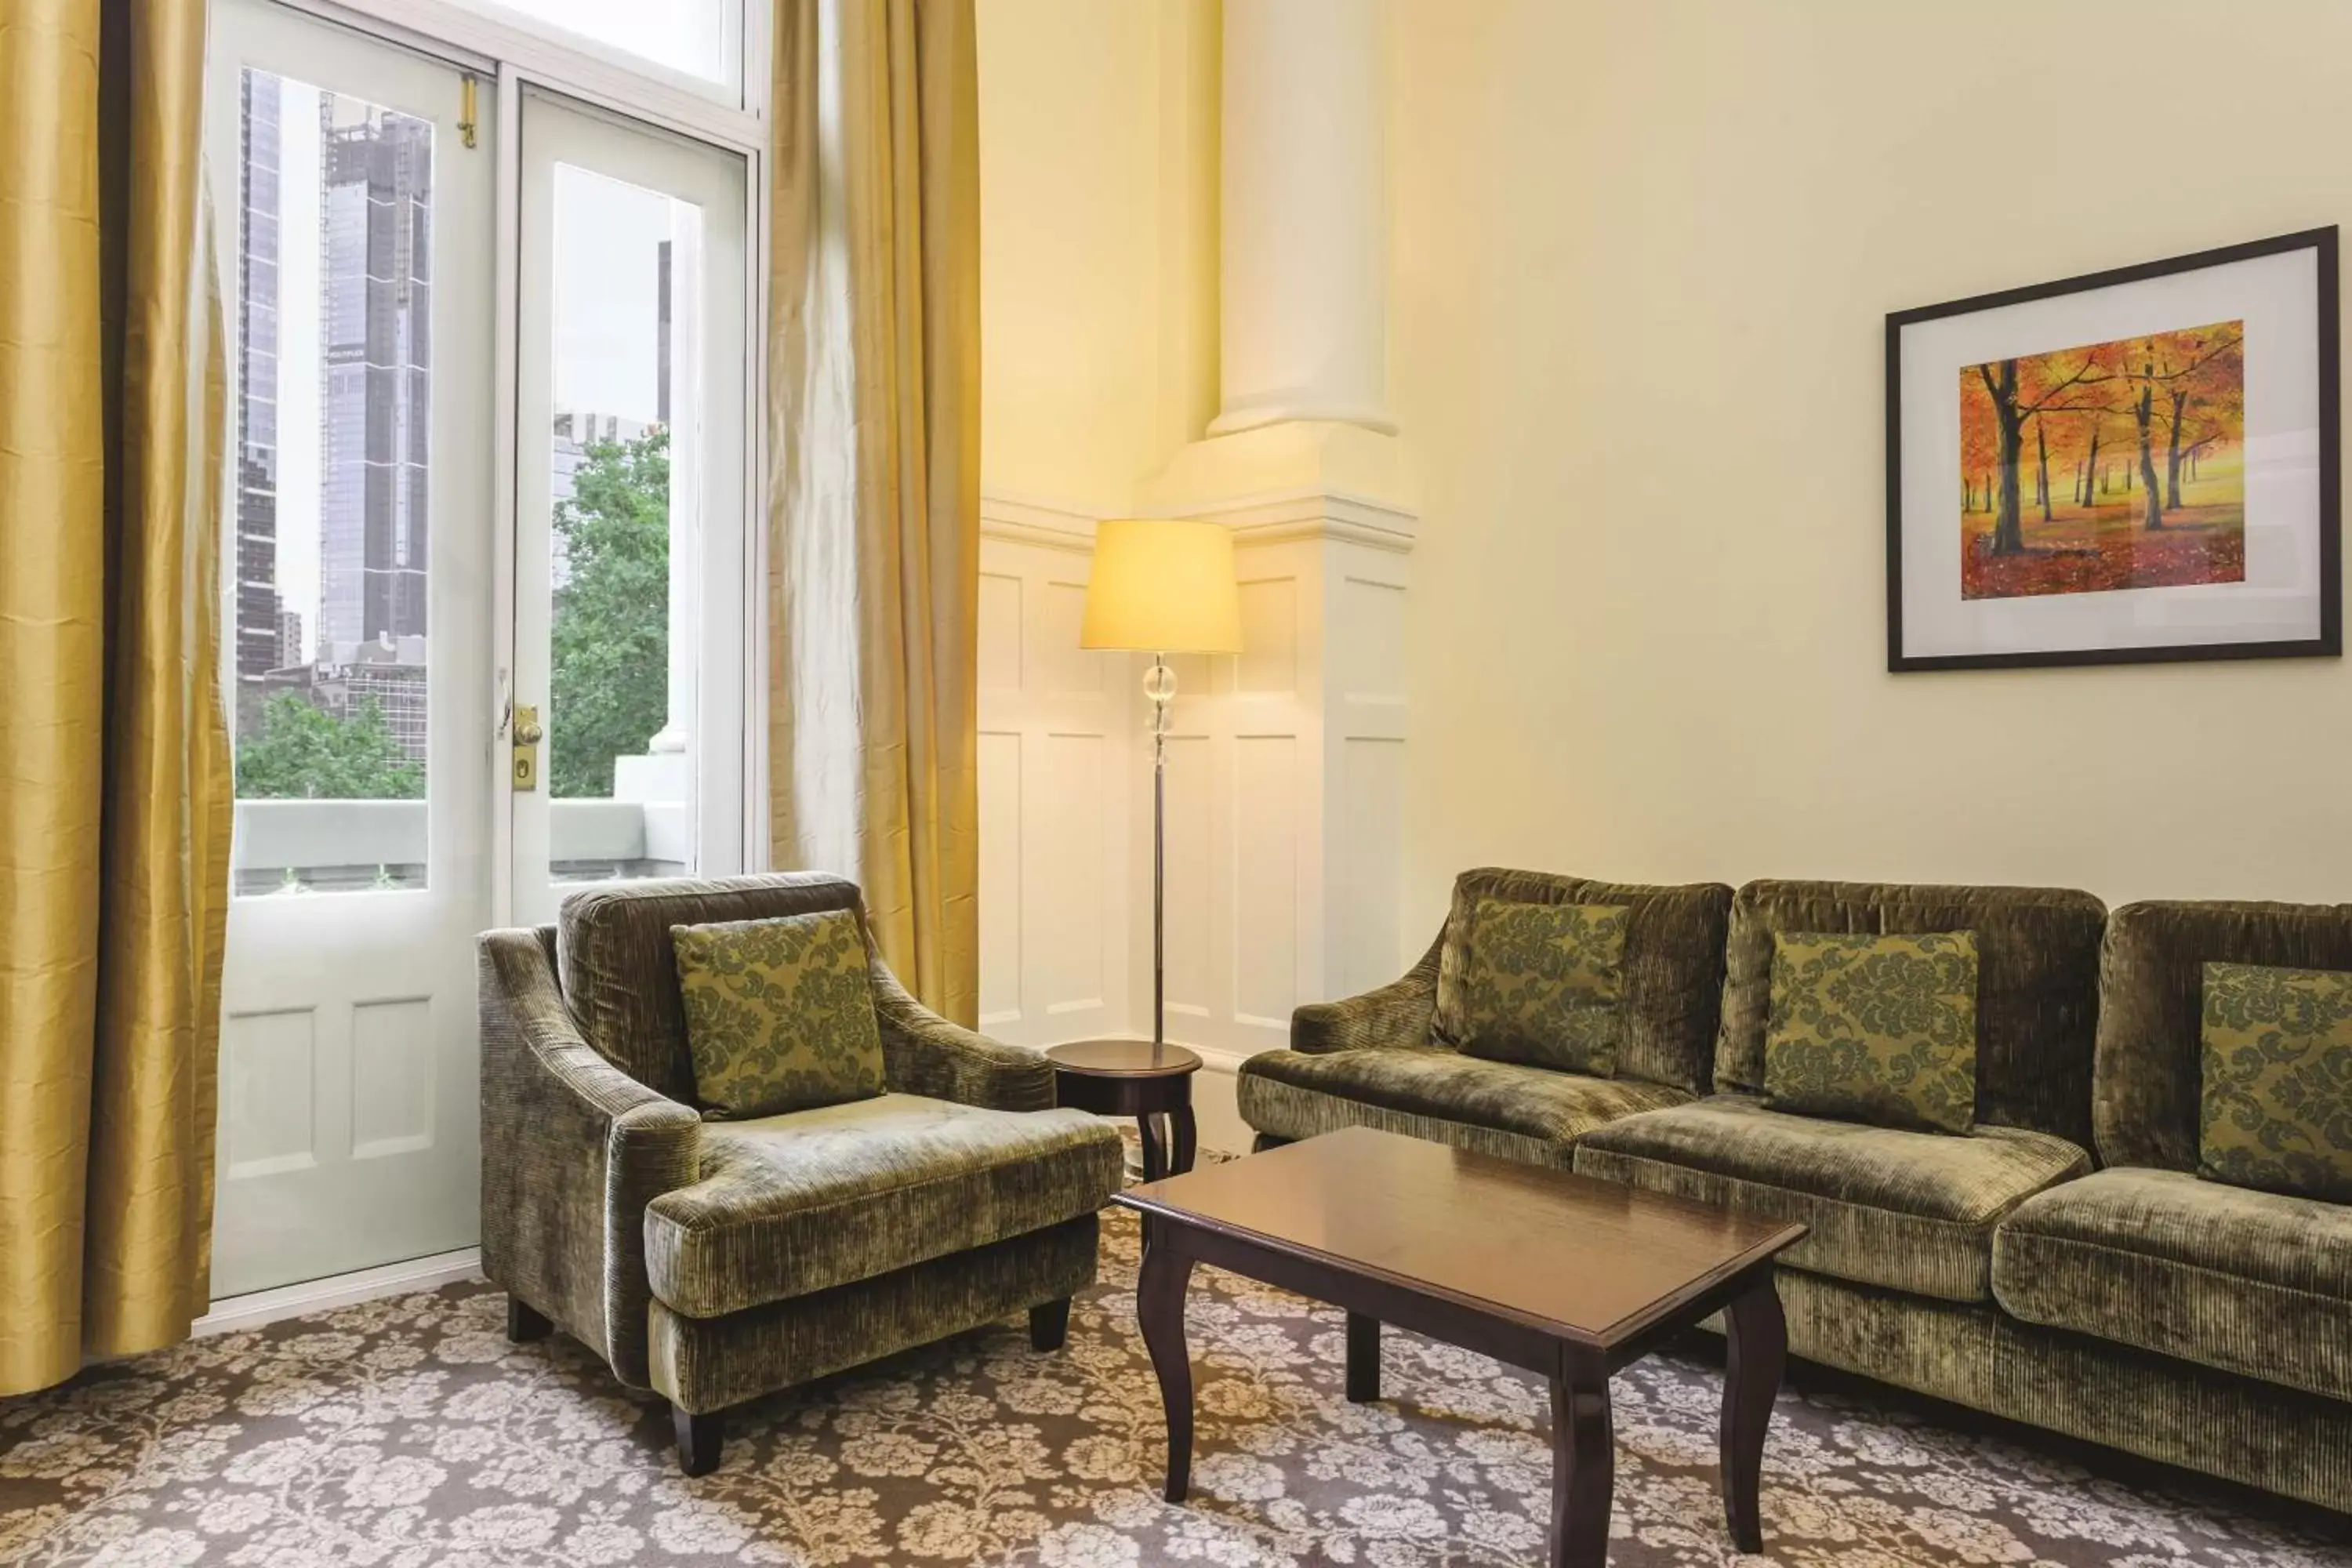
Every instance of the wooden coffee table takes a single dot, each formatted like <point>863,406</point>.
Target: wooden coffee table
<point>1562,1275</point>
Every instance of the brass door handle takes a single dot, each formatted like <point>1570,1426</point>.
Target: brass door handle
<point>525,754</point>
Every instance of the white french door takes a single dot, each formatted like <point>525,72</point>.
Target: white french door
<point>354,216</point>
<point>631,556</point>
<point>394,625</point>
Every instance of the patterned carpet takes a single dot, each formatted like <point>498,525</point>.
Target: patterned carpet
<point>407,1433</point>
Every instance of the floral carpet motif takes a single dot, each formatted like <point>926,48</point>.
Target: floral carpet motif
<point>407,1433</point>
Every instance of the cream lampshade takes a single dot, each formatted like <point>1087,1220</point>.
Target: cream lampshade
<point>1161,585</point>
<point>1164,586</point>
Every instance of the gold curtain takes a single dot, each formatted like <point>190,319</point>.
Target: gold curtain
<point>874,443</point>
<point>114,787</point>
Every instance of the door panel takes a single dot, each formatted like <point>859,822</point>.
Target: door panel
<point>356,228</point>
<point>630,549</point>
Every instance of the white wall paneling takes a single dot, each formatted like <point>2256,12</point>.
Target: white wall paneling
<point>1285,776</point>
<point>1057,740</point>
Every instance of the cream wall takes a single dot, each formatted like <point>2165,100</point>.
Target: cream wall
<point>1644,254</point>
<point>1099,243</point>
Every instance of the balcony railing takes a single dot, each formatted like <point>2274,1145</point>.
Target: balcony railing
<point>336,845</point>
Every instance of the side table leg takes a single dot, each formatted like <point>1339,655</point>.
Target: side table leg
<point>1155,1148</point>
<point>1159,1311</point>
<point>1363,1358</point>
<point>1583,1473</point>
<point>1757,1352</point>
<point>1180,1121</point>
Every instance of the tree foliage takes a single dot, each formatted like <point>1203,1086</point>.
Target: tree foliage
<point>609,686</point>
<point>302,751</point>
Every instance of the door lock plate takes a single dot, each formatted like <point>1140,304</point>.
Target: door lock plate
<point>527,736</point>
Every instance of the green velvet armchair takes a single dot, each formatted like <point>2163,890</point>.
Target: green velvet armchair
<point>716,1261</point>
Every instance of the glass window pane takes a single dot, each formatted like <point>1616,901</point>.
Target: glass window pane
<point>696,37</point>
<point>623,450</point>
<point>333,375</point>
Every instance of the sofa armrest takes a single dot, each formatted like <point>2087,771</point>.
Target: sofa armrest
<point>1399,1014</point>
<point>922,1053</point>
<point>572,1151</point>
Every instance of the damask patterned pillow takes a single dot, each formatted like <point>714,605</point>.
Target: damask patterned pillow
<point>779,1014</point>
<point>1545,982</point>
<point>2277,1105</point>
<point>1880,1029</point>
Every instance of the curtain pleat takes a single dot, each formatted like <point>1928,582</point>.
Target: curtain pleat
<point>873,440</point>
<point>114,774</point>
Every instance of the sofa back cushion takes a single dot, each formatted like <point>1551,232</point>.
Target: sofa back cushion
<point>1880,1029</point>
<point>619,971</point>
<point>1546,983</point>
<point>779,1014</point>
<point>2147,1104</point>
<point>1672,969</point>
<point>2037,984</point>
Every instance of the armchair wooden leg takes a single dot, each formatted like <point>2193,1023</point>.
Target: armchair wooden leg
<point>523,1324</point>
<point>1264,1141</point>
<point>1049,1324</point>
<point>699,1438</point>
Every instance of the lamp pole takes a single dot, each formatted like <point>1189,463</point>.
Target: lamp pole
<point>1159,686</point>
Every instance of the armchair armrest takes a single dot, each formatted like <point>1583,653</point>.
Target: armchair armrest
<point>1399,1014</point>
<point>922,1053</point>
<point>572,1151</point>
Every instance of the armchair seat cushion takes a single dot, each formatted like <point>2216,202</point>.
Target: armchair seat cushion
<point>1910,1211</point>
<point>2250,1282</point>
<point>1501,1107</point>
<point>791,1205</point>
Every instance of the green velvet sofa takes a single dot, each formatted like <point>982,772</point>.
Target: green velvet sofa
<point>2060,1264</point>
<point>715,1261</point>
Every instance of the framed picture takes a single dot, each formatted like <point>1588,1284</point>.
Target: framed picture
<point>2136,464</point>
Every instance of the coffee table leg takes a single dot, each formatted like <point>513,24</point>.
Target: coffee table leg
<point>1583,1473</point>
<point>1155,1148</point>
<point>1758,1353</point>
<point>1363,1358</point>
<point>1160,1310</point>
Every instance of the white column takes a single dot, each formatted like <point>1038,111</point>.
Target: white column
<point>1304,225</point>
<point>1287,801</point>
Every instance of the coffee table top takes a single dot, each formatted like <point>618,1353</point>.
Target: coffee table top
<point>1587,1260</point>
<point>1121,1058</point>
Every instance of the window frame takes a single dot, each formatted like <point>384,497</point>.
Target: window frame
<point>498,48</point>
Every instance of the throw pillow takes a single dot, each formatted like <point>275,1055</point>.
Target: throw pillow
<point>1880,1029</point>
<point>2278,1103</point>
<point>1545,982</point>
<point>779,1014</point>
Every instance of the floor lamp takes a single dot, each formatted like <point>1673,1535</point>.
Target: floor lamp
<point>1162,586</point>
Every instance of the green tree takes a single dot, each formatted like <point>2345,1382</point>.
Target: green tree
<point>304,752</point>
<point>609,685</point>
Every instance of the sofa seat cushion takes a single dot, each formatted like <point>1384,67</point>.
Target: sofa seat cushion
<point>2249,1282</point>
<point>1910,1211</point>
<point>1500,1107</point>
<point>789,1205</point>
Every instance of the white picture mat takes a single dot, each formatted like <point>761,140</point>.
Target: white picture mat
<point>2279,601</point>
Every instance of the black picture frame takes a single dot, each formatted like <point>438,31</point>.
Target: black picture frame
<point>2329,644</point>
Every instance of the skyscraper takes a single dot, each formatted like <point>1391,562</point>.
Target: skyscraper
<point>256,381</point>
<point>376,177</point>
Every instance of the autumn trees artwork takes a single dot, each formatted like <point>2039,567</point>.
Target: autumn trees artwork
<point>2116,465</point>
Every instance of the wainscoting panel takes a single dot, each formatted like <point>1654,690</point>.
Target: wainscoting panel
<point>1286,769</point>
<point>1057,772</point>
<point>1000,858</point>
<point>1266,877</point>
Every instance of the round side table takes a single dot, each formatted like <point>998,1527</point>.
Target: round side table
<point>1133,1077</point>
